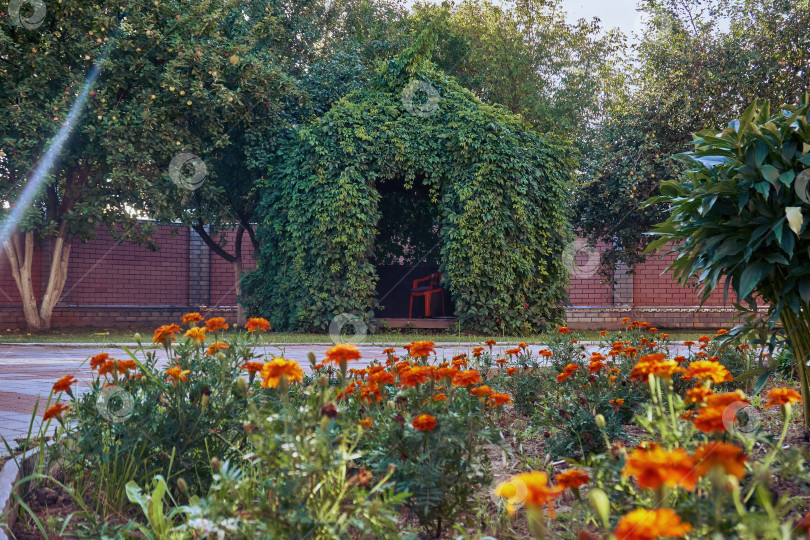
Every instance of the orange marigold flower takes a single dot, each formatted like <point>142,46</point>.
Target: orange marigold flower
<point>653,330</point>
<point>196,333</point>
<point>217,323</point>
<point>625,320</point>
<point>415,375</point>
<point>564,330</point>
<point>424,422</point>
<point>382,377</point>
<point>54,411</point>
<point>722,332</point>
<point>165,334</point>
<point>216,347</point>
<point>499,399</point>
<point>644,325</point>
<point>502,361</point>
<point>630,351</point>
<point>342,352</point>
<point>595,366</point>
<point>782,396</point>
<point>257,323</point>
<point>664,336</point>
<point>176,374</point>
<point>523,345</point>
<point>515,351</point>
<point>370,392</point>
<point>710,418</point>
<point>618,402</point>
<point>653,467</point>
<point>126,365</point>
<point>106,367</point>
<point>253,367</point>
<point>273,370</point>
<point>698,394</point>
<point>64,384</point>
<point>572,478</point>
<point>366,422</point>
<point>651,525</point>
<point>704,339</point>
<point>466,378</point>
<point>511,371</point>
<point>490,342</point>
<point>482,391</point>
<point>389,350</point>
<point>531,489</point>
<point>98,360</point>
<point>729,457</point>
<point>545,353</point>
<point>419,349</point>
<point>446,372</point>
<point>477,351</point>
<point>191,318</point>
<point>680,359</point>
<point>603,333</point>
<point>441,396</point>
<point>689,343</point>
<point>708,370</point>
<point>612,378</point>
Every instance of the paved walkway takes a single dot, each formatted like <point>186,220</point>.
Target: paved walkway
<point>28,371</point>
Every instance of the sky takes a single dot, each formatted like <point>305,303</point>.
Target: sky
<point>612,13</point>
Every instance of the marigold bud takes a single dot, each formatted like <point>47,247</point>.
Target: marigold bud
<point>242,386</point>
<point>601,505</point>
<point>323,381</point>
<point>215,464</point>
<point>182,486</point>
<point>600,421</point>
<point>312,360</point>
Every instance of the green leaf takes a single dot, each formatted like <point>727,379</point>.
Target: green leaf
<point>751,277</point>
<point>760,384</point>
<point>795,218</point>
<point>770,173</point>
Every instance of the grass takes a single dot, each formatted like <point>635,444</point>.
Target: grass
<point>115,336</point>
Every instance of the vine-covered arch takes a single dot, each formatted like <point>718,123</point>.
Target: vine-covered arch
<point>501,190</point>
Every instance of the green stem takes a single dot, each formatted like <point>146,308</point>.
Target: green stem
<point>797,328</point>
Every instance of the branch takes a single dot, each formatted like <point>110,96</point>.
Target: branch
<point>213,246</point>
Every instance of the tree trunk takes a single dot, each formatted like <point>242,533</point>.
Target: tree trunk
<point>56,277</point>
<point>797,328</point>
<point>20,252</point>
<point>237,275</point>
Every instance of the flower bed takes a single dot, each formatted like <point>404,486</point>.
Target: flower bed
<point>229,442</point>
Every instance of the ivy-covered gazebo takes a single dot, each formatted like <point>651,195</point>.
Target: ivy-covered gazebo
<point>499,192</point>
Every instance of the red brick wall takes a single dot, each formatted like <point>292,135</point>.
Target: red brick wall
<point>586,286</point>
<point>105,271</point>
<point>222,280</point>
<point>654,286</point>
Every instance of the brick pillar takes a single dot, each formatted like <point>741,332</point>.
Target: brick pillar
<point>199,271</point>
<point>623,289</point>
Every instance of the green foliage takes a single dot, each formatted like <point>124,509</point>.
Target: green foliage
<point>300,480</point>
<point>497,186</point>
<point>690,74</point>
<point>737,219</point>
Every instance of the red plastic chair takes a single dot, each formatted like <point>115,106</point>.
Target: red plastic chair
<point>426,292</point>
